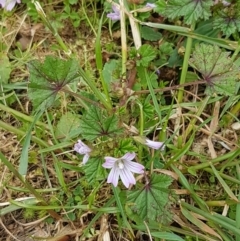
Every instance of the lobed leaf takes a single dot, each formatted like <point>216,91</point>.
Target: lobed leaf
<point>217,69</point>
<point>48,78</point>
<point>67,127</point>
<point>228,25</point>
<point>191,10</point>
<point>93,170</point>
<point>96,123</point>
<point>152,201</point>
<point>147,54</point>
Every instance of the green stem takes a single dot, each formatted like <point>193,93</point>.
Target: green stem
<point>144,75</point>
<point>99,63</point>
<point>123,39</point>
<point>185,65</point>
<point>88,20</point>
<point>51,28</point>
<point>95,90</point>
<point>141,119</point>
<point>141,128</point>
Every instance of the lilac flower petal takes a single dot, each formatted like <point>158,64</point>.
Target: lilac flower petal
<point>9,5</point>
<point>113,176</point>
<point>3,3</point>
<point>225,3</point>
<point>155,144</point>
<point>151,5</point>
<point>134,167</point>
<point>113,16</point>
<point>81,148</point>
<point>85,159</point>
<point>129,156</point>
<point>127,177</point>
<point>109,162</point>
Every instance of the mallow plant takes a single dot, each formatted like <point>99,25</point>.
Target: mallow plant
<point>110,149</point>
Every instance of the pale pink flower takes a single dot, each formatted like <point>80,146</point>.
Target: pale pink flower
<point>115,15</point>
<point>123,167</point>
<point>155,144</point>
<point>9,4</point>
<point>82,149</point>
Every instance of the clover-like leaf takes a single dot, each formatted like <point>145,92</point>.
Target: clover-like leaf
<point>217,69</point>
<point>191,10</point>
<point>48,78</point>
<point>97,123</point>
<point>152,201</point>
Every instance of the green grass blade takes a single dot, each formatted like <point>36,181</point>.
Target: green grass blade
<point>98,52</point>
<point>223,183</point>
<point>119,204</point>
<point>181,152</point>
<point>212,218</point>
<point>56,147</point>
<point>142,72</point>
<point>27,185</point>
<point>200,224</point>
<point>185,66</point>
<point>23,163</point>
<point>59,174</point>
<point>94,89</point>
<point>224,43</point>
<point>12,207</point>
<point>186,185</point>
<point>228,156</point>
